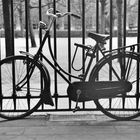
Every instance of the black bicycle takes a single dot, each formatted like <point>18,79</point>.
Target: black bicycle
<point>113,82</point>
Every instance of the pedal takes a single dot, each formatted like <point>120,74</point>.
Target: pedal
<point>81,75</point>
<point>76,109</point>
<point>78,95</point>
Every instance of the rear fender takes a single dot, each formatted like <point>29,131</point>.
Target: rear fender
<point>46,93</point>
<point>107,57</point>
<point>97,65</point>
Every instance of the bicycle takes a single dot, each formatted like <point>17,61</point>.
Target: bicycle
<point>113,83</point>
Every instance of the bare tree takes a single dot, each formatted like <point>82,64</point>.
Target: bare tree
<point>32,6</point>
<point>7,25</point>
<point>103,7</point>
<point>32,37</point>
<point>119,23</point>
<point>77,8</point>
<point>19,8</point>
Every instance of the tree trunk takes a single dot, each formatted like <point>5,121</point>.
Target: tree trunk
<point>32,37</point>
<point>119,24</point>
<point>103,16</point>
<point>21,18</point>
<point>7,26</point>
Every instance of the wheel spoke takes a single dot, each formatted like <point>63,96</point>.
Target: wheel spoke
<point>16,101</point>
<point>126,106</point>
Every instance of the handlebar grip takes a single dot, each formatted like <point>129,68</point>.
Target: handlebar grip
<point>76,16</point>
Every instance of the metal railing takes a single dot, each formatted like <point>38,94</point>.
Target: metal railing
<point>66,104</point>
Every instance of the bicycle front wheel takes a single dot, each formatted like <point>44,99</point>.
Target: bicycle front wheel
<point>121,66</point>
<point>20,85</point>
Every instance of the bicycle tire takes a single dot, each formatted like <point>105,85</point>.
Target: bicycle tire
<point>19,103</point>
<point>124,107</point>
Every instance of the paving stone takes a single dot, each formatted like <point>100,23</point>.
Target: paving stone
<point>64,127</point>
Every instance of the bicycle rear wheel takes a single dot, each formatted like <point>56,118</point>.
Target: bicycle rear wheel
<point>18,101</point>
<point>126,65</point>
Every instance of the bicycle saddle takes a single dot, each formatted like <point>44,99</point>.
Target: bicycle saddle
<point>99,38</point>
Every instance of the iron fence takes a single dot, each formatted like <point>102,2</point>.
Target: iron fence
<point>62,103</point>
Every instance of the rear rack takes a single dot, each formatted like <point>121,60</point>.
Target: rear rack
<point>132,48</point>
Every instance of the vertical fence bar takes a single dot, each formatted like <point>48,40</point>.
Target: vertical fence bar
<point>0,79</point>
<point>55,55</point>
<point>138,33</point>
<point>110,45</point>
<point>97,25</point>
<point>27,46</point>
<point>124,22</point>
<point>83,32</point>
<point>12,27</point>
<point>69,38</point>
<point>111,34</point>
<point>1,96</point>
<point>26,25</point>
<point>40,39</point>
<point>83,37</point>
<point>40,18</point>
<point>13,64</point>
<point>69,43</point>
<point>83,24</point>
<point>97,16</point>
<point>138,50</point>
<point>111,25</point>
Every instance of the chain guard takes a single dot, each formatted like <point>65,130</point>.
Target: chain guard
<point>105,89</point>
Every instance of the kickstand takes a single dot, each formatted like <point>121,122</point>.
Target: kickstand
<point>77,107</point>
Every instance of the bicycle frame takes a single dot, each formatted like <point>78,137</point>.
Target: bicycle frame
<point>97,48</point>
<point>61,71</point>
<point>57,67</point>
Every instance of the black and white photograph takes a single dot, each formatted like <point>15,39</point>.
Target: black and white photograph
<point>69,69</point>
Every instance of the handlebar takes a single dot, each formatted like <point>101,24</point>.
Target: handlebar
<point>75,16</point>
<point>58,14</point>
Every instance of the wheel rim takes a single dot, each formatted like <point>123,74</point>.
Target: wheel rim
<point>15,102</point>
<point>123,107</point>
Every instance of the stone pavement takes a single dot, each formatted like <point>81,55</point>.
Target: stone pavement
<point>69,127</point>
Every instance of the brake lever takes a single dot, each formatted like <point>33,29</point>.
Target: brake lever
<point>76,16</point>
